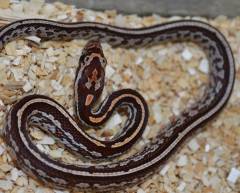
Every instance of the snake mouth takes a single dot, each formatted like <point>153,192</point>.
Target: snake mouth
<point>93,46</point>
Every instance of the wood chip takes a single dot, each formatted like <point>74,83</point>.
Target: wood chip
<point>4,4</point>
<point>233,175</point>
<point>6,185</point>
<point>183,160</point>
<point>193,145</point>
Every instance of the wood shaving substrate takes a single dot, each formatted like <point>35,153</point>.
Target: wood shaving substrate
<point>169,76</point>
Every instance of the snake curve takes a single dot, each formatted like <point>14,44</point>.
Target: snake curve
<point>136,168</point>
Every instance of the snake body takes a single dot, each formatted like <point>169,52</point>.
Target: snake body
<point>53,118</point>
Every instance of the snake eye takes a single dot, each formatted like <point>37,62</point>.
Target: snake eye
<point>103,61</point>
<point>86,59</point>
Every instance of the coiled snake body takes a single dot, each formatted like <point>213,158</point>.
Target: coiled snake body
<point>53,118</point>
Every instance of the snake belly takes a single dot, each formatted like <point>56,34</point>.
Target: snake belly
<point>134,169</point>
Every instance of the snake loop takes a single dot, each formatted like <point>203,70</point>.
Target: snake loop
<point>48,114</point>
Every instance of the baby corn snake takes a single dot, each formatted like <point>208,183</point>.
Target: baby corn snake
<point>51,117</point>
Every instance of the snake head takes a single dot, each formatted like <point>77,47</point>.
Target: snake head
<point>91,50</point>
<point>91,73</point>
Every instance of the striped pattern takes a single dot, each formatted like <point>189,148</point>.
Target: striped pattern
<point>53,118</point>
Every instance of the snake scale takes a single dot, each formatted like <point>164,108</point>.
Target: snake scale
<point>51,117</point>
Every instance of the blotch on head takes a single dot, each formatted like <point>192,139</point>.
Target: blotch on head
<point>92,68</point>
